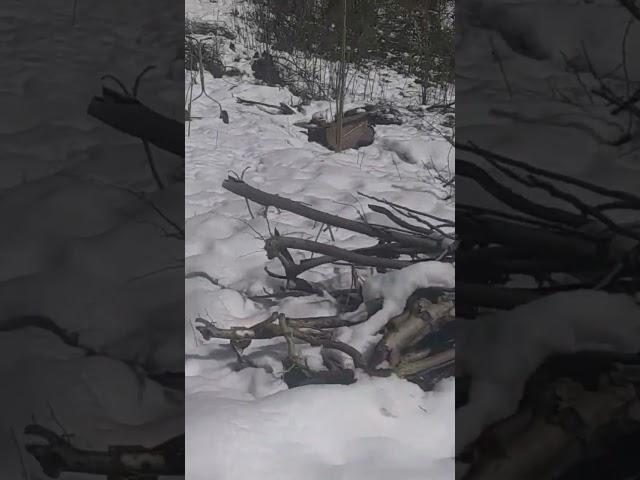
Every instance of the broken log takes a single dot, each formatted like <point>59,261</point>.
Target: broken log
<point>130,116</point>
<point>422,316</point>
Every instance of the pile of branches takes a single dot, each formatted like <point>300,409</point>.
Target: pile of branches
<point>578,244</point>
<point>415,237</point>
<point>417,344</point>
<point>575,246</point>
<point>573,401</point>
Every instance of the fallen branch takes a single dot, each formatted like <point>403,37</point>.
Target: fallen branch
<point>274,245</point>
<point>268,329</point>
<point>527,238</point>
<point>241,188</point>
<point>441,106</point>
<point>426,313</point>
<point>130,116</point>
<point>414,228</point>
<point>620,195</point>
<point>57,455</point>
<point>382,251</point>
<point>410,212</point>
<point>282,107</point>
<point>589,249</point>
<point>509,197</point>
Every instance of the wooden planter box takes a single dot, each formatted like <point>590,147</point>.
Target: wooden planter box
<point>356,133</point>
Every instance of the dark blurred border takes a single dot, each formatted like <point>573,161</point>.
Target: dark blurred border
<point>91,203</point>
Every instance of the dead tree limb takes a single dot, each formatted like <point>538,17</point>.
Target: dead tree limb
<point>472,148</point>
<point>130,116</point>
<point>406,210</point>
<point>282,107</point>
<point>403,223</point>
<point>275,245</point>
<point>381,232</point>
<point>269,329</point>
<point>589,249</point>
<point>509,197</point>
<point>427,313</point>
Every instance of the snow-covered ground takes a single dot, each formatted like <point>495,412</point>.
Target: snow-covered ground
<point>75,246</point>
<point>518,97</point>
<point>244,424</point>
<point>537,123</point>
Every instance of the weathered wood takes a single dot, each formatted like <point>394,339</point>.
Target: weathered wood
<point>356,133</point>
<point>275,245</point>
<point>243,189</point>
<point>426,311</point>
<point>408,368</point>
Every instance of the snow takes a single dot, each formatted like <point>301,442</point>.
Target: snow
<point>245,423</point>
<point>542,129</point>
<point>394,288</point>
<point>76,246</point>
<point>374,429</point>
<point>502,350</point>
<point>564,142</point>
